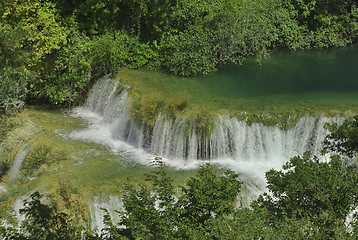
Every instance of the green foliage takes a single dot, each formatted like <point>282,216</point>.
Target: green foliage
<point>188,53</point>
<point>308,200</point>
<point>13,89</point>
<point>40,155</point>
<point>324,23</point>
<point>243,224</point>
<point>43,222</point>
<point>13,75</point>
<point>43,31</point>
<point>243,29</point>
<point>108,53</point>
<point>322,192</point>
<point>42,36</point>
<point>142,217</point>
<point>71,73</point>
<point>111,52</point>
<point>208,195</point>
<point>343,138</point>
<point>155,213</point>
<point>53,49</point>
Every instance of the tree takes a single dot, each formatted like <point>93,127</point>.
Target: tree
<point>343,138</point>
<point>324,193</point>
<point>71,72</point>
<point>156,214</point>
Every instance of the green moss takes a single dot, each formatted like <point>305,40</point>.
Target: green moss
<point>146,109</point>
<point>42,153</point>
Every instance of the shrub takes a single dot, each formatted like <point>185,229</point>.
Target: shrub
<point>13,76</point>
<point>71,73</point>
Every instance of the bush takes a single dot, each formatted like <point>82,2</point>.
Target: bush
<point>155,214</point>
<point>13,75</point>
<point>112,51</point>
<point>321,193</point>
<point>13,89</point>
<point>42,222</point>
<point>71,73</point>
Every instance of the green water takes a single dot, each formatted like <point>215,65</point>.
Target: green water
<point>331,73</point>
<point>322,79</point>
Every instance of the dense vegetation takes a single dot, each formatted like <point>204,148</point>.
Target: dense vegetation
<point>308,199</point>
<point>51,49</point>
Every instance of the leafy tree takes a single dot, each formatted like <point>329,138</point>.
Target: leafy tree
<point>208,195</point>
<point>190,52</point>
<point>343,138</point>
<point>156,214</point>
<point>148,212</point>
<point>71,72</point>
<point>39,20</point>
<point>42,36</point>
<point>112,51</point>
<point>322,192</point>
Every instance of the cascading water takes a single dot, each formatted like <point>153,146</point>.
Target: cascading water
<point>16,166</point>
<point>112,204</point>
<point>250,150</point>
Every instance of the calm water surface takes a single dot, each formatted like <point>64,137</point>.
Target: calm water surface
<point>314,76</point>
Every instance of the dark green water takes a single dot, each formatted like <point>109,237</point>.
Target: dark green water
<point>314,76</point>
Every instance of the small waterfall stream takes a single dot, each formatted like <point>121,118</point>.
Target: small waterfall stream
<point>16,166</point>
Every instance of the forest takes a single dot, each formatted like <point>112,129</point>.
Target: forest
<point>52,52</point>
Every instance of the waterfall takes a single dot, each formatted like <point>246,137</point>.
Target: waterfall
<point>16,166</point>
<point>178,139</point>
<point>249,149</point>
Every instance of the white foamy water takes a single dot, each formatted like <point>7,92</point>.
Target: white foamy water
<point>250,150</point>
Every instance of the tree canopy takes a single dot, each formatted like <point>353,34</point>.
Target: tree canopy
<point>53,49</point>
